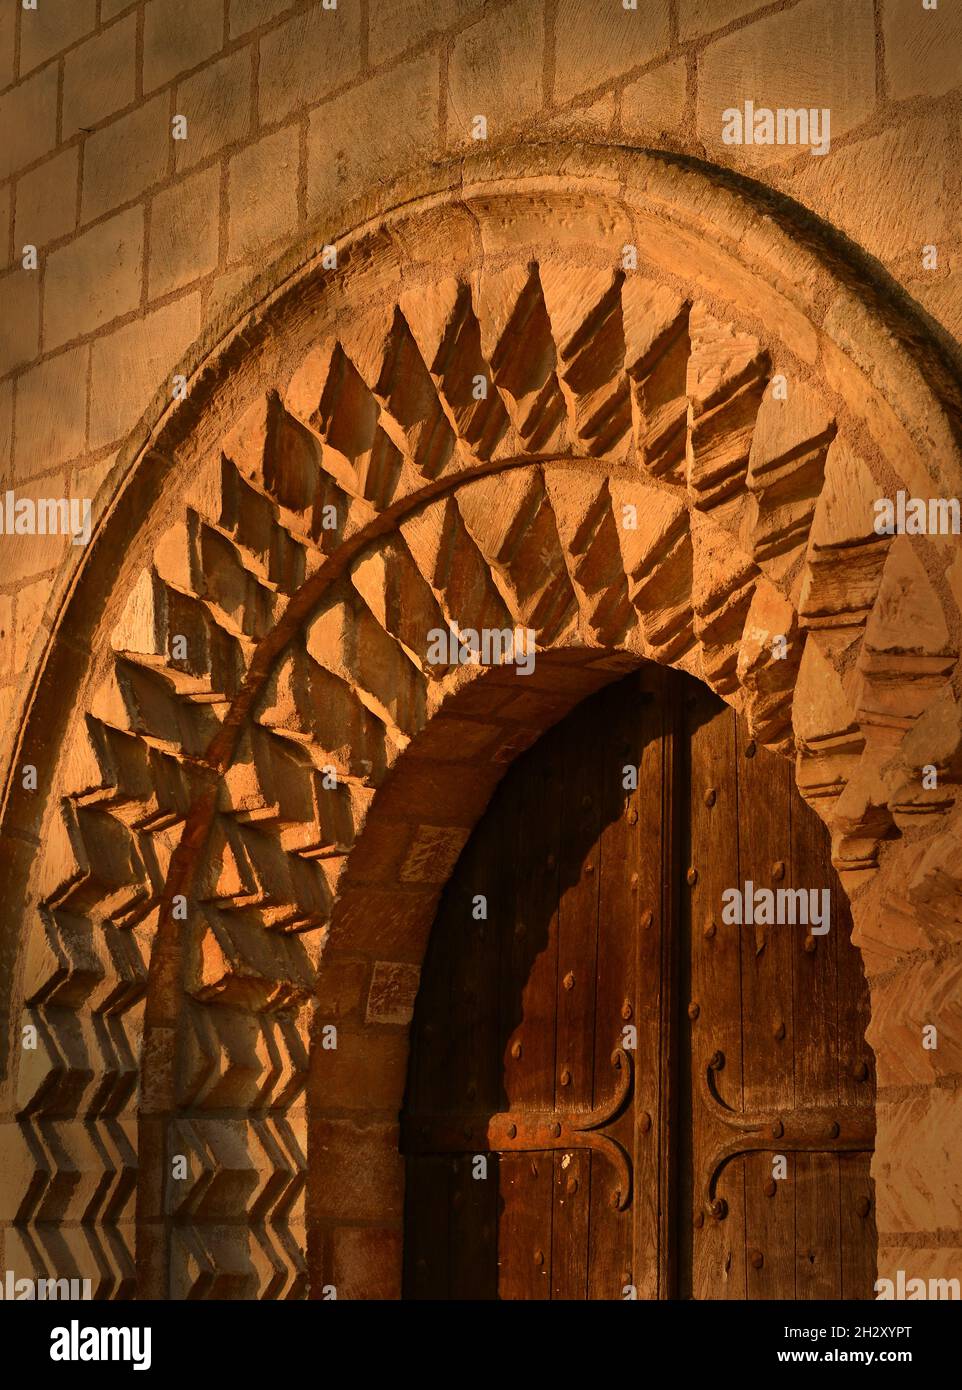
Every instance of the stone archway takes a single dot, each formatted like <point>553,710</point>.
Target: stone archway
<point>380,449</point>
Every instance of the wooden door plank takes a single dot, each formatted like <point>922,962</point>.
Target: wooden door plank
<point>427,1198</point>
<point>768,1023</point>
<point>713,1250</point>
<point>531,829</point>
<point>472,1051</point>
<point>858,1237</point>
<point>580,752</point>
<point>569,1224</point>
<point>529,956</point>
<point>525,1189</point>
<point>473,1228</point>
<point>674,813</point>
<point>817,1236</point>
<point>623,1244</point>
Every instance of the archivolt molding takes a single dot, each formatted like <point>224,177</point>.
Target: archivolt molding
<point>338,487</point>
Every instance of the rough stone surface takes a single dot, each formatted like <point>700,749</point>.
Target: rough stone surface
<point>922,49</point>
<point>20,322</point>
<point>927,152</point>
<point>495,70</point>
<point>28,118</point>
<point>246,15</point>
<point>655,102</point>
<point>51,413</point>
<point>814,55</point>
<point>100,77</point>
<point>366,1263</point>
<point>94,279</point>
<point>362,1165</point>
<point>110,9</point>
<point>606,40</point>
<point>698,17</point>
<point>262,192</point>
<point>349,138</point>
<point>125,158</point>
<point>8,35</point>
<point>47,201</point>
<point>291,74</point>
<point>397,25</point>
<point>52,26</point>
<point>184,232</point>
<point>6,219</point>
<point>179,35</point>
<point>217,105</point>
<point>20,562</point>
<point>144,354</point>
<point>6,634</point>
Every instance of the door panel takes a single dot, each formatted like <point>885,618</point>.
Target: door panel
<point>550,1153</point>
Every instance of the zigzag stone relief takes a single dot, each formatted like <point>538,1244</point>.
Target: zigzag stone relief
<point>519,438</point>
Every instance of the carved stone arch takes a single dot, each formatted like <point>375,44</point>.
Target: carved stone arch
<point>536,395</point>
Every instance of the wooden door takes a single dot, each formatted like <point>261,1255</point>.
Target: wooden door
<point>604,1072</point>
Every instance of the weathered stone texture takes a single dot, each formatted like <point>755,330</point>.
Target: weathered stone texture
<point>6,426</point>
<point>926,153</point>
<point>655,102</point>
<point>918,1141</point>
<point>31,599</point>
<point>246,15</point>
<point>397,25</point>
<point>306,58</point>
<point>51,27</point>
<point>51,413</point>
<point>184,232</point>
<point>262,192</point>
<point>19,318</point>
<point>100,77</point>
<point>6,218</point>
<point>125,158</point>
<point>46,200</point>
<point>179,35</point>
<point>598,42</point>
<point>363,1167</point>
<point>698,17</point>
<point>217,105</point>
<point>6,635</point>
<point>360,1073</point>
<point>21,554</point>
<point>94,279</point>
<point>495,71</point>
<point>922,49</point>
<point>142,356</point>
<point>28,119</point>
<point>8,34</point>
<point>816,54</point>
<point>377,130</point>
<point>366,1262</point>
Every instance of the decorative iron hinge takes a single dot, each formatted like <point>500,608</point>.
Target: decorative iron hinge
<point>816,1129</point>
<point>529,1131</point>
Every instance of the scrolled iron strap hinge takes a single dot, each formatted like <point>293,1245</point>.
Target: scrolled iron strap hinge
<point>815,1129</point>
<point>514,1131</point>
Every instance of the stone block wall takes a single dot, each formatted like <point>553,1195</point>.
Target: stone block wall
<point>294,109</point>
